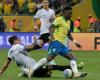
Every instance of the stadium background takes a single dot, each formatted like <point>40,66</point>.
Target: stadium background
<point>90,58</point>
<point>82,9</point>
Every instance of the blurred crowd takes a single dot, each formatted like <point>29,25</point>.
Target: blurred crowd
<point>93,24</point>
<point>15,25</point>
<point>17,7</point>
<point>30,7</point>
<point>27,7</point>
<point>11,27</point>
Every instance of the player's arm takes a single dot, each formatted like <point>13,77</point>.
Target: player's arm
<point>31,46</point>
<point>5,66</point>
<point>53,17</point>
<point>36,20</point>
<point>72,39</point>
<point>51,31</point>
<point>52,28</point>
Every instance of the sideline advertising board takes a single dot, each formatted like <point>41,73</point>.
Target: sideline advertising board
<point>89,41</point>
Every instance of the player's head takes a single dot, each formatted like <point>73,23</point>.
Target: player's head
<point>45,4</point>
<point>67,12</point>
<point>14,40</point>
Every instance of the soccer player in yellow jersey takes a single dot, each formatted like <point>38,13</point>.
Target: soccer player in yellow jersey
<point>20,4</point>
<point>32,7</point>
<point>1,8</point>
<point>60,31</point>
<point>8,7</point>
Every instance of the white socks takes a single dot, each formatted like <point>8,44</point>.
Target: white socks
<point>74,66</point>
<point>39,63</point>
<point>52,62</point>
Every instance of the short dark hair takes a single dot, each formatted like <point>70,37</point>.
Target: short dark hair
<point>11,39</point>
<point>66,8</point>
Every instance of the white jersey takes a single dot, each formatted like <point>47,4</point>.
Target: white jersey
<point>21,57</point>
<point>46,17</point>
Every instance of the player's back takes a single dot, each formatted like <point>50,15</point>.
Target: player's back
<point>18,53</point>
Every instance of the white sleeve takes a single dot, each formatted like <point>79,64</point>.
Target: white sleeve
<point>10,54</point>
<point>38,14</point>
<point>53,15</point>
<point>20,48</point>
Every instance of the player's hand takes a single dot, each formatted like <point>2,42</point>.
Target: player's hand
<point>78,45</point>
<point>51,38</point>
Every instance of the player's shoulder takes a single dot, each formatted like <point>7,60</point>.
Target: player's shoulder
<point>10,50</point>
<point>51,9</point>
<point>40,10</point>
<point>59,18</point>
<point>14,47</point>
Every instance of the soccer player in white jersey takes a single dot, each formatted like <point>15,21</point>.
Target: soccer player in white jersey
<point>18,53</point>
<point>46,17</point>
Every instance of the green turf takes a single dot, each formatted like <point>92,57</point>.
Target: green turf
<point>90,58</point>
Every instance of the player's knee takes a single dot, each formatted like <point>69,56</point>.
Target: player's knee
<point>50,58</point>
<point>72,58</point>
<point>40,43</point>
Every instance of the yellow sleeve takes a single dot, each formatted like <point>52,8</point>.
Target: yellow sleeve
<point>56,22</point>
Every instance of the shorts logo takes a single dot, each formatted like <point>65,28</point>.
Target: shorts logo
<point>54,50</point>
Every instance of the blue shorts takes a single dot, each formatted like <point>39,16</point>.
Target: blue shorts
<point>57,48</point>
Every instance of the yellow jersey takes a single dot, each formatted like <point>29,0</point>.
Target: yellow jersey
<point>62,28</point>
<point>20,3</point>
<point>32,7</point>
<point>7,9</point>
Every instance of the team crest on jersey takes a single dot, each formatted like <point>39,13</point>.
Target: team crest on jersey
<point>53,49</point>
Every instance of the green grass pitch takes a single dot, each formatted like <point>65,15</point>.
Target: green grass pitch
<point>90,58</point>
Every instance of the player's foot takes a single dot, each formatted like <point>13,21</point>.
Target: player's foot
<point>81,65</point>
<point>20,74</point>
<point>83,74</point>
<point>30,72</point>
<point>52,62</point>
<point>80,74</point>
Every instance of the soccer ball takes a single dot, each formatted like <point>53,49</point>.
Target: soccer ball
<point>68,73</point>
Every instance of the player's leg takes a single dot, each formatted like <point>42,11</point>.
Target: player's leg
<point>39,64</point>
<point>51,55</point>
<point>68,54</point>
<point>61,67</point>
<point>44,38</point>
<point>43,61</point>
<point>44,70</point>
<point>58,67</point>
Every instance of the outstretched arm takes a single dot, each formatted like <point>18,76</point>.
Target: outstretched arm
<point>72,39</point>
<point>32,46</point>
<point>5,66</point>
<point>51,30</point>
